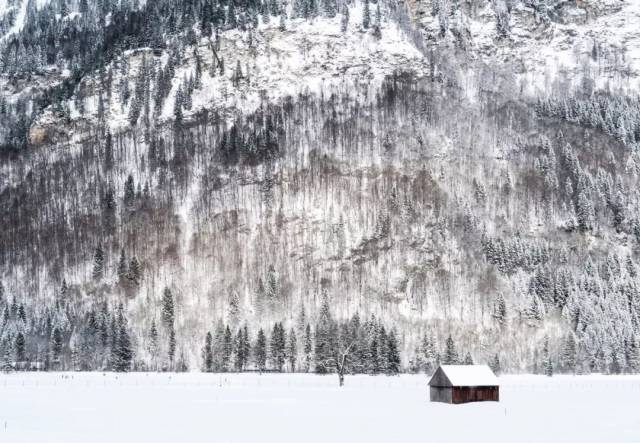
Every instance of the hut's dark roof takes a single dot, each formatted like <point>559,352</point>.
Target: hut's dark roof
<point>463,375</point>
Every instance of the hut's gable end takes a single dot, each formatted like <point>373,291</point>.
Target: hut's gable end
<point>440,379</point>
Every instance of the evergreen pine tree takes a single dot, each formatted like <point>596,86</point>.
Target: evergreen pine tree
<point>264,12</point>
<point>7,364</point>
<point>64,9</point>
<point>259,299</point>
<point>366,15</point>
<point>373,364</point>
<point>20,347</point>
<point>292,350</point>
<point>330,8</point>
<point>168,310</point>
<point>109,210</point>
<point>218,347</point>
<point>500,310</point>
<point>302,321</point>
<point>308,348</point>
<point>227,349</point>
<point>134,273</point>
<point>122,268</point>
<point>124,349</point>
<point>98,264</point>
<point>207,353</point>
<point>182,365</point>
<point>299,7</point>
<point>177,107</point>
<point>568,357</point>
<point>382,351</point>
<point>344,22</point>
<point>450,354</point>
<point>631,267</point>
<point>584,212</point>
<point>153,344</point>
<point>547,365</point>
<point>172,346</point>
<point>429,353</point>
<point>232,20</point>
<point>377,25</point>
<point>393,359</point>
<point>282,346</point>
<point>615,366</point>
<point>246,347</point>
<point>238,351</point>
<point>233,311</point>
<point>633,360</point>
<point>416,363</point>
<point>277,347</point>
<point>64,290</point>
<point>129,192</point>
<point>272,290</point>
<point>56,347</point>
<point>260,351</point>
<point>324,339</point>
<point>467,359</point>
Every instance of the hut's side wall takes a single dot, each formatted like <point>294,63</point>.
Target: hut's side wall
<point>441,394</point>
<point>466,394</point>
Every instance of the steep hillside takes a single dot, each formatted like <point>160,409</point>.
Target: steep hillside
<point>447,179</point>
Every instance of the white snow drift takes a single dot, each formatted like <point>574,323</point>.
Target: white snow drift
<point>53,407</point>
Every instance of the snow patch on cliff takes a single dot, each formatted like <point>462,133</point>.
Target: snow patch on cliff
<point>307,57</point>
<point>594,39</point>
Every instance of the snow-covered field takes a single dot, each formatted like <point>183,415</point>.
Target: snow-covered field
<point>54,407</point>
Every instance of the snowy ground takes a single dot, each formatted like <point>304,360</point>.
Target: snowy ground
<point>52,407</point>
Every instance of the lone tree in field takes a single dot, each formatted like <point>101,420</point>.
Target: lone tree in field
<point>340,360</point>
<point>344,353</point>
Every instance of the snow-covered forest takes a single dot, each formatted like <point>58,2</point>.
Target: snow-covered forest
<point>335,186</point>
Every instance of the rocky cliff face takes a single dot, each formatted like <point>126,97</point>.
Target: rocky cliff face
<point>542,42</point>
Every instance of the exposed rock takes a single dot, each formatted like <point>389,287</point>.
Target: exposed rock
<point>38,135</point>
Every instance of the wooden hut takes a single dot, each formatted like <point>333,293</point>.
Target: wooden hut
<point>463,384</point>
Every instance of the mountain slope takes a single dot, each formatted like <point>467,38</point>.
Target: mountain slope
<point>206,172</point>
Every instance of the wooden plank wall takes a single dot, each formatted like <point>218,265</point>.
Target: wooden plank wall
<point>469,394</point>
